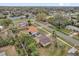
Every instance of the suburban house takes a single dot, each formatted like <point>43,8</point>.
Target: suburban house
<point>73,28</point>
<point>72,51</point>
<point>23,24</point>
<point>44,40</point>
<point>77,24</point>
<point>32,30</point>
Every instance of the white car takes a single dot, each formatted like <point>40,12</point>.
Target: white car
<point>1,27</point>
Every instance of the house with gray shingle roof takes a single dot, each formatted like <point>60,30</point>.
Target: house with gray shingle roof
<point>73,28</point>
<point>44,40</point>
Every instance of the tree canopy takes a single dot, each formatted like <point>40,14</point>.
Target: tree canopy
<point>41,17</point>
<point>59,21</point>
<point>27,43</point>
<point>6,22</point>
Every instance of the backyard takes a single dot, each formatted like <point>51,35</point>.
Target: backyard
<point>60,50</point>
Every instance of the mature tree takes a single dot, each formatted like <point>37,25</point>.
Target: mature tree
<point>78,17</point>
<point>27,44</point>
<point>54,34</point>
<point>3,16</point>
<point>55,40</point>
<point>14,30</point>
<point>7,41</point>
<point>41,17</point>
<point>41,10</point>
<point>50,19</point>
<point>6,22</point>
<point>29,22</point>
<point>59,21</point>
<point>27,16</point>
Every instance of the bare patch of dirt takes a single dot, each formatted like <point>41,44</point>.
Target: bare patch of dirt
<point>9,50</point>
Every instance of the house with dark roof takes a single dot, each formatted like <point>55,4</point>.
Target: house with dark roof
<point>44,40</point>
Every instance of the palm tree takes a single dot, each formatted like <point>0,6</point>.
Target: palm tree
<point>55,40</point>
<point>54,34</point>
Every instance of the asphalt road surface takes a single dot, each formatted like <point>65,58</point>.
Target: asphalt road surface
<point>62,35</point>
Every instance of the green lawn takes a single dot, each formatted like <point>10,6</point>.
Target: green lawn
<point>42,31</point>
<point>65,31</point>
<point>61,50</point>
<point>76,37</point>
<point>19,20</point>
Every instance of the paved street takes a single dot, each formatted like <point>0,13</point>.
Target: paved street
<point>68,38</point>
<point>62,35</point>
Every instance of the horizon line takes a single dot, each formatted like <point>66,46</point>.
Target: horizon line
<point>39,4</point>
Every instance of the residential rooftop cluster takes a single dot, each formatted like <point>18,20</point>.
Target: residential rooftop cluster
<point>39,31</point>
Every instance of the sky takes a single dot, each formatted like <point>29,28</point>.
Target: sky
<point>39,4</point>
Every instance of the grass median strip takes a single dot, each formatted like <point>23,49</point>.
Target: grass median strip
<point>64,42</point>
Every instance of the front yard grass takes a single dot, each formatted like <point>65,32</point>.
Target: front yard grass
<point>60,50</point>
<point>76,37</point>
<point>65,31</point>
